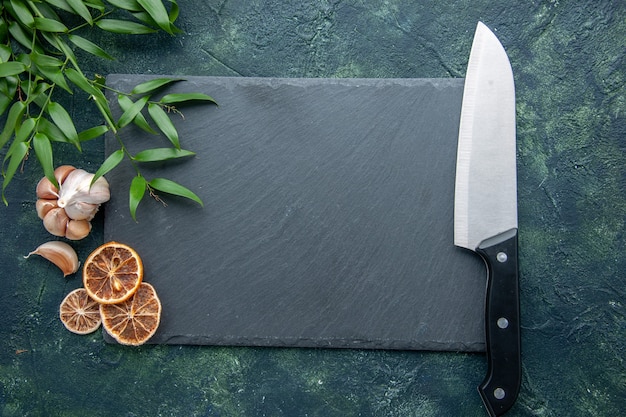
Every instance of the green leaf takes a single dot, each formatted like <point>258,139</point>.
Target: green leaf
<point>23,37</point>
<point>23,58</point>
<point>37,86</point>
<point>92,133</point>
<point>61,4</point>
<point>135,194</point>
<point>23,131</point>
<point>4,85</point>
<point>157,11</point>
<point>51,130</point>
<point>88,46</point>
<point>164,123</point>
<point>8,86</point>
<point>161,154</point>
<point>4,30</point>
<point>139,119</point>
<point>174,11</point>
<point>145,18</point>
<point>171,187</point>
<point>185,97</point>
<point>95,4</point>
<point>79,7</point>
<point>62,119</point>
<point>111,162</point>
<point>131,112</point>
<point>130,5</point>
<point>10,68</point>
<point>22,134</point>
<point>63,47</point>
<point>42,60</point>
<point>50,25</point>
<point>44,10</point>
<point>5,102</point>
<point>103,105</point>
<point>13,118</point>
<point>5,50</point>
<point>124,27</point>
<point>37,92</point>
<point>82,82</point>
<point>153,85</point>
<point>96,94</point>
<point>55,75</point>
<point>22,13</point>
<point>16,159</point>
<point>43,150</point>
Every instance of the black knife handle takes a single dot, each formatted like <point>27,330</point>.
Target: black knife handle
<point>500,387</point>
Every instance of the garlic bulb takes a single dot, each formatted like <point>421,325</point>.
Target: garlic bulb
<point>66,211</point>
<point>59,253</point>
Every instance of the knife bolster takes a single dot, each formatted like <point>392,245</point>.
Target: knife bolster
<point>500,387</point>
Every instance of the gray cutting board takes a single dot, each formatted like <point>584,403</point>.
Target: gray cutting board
<point>328,217</point>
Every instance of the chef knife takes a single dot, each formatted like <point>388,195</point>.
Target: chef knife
<point>485,209</point>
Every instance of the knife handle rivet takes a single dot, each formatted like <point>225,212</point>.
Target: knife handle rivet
<point>502,323</point>
<point>499,393</point>
<point>501,257</point>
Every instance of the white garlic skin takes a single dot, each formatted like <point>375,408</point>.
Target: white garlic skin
<point>59,253</point>
<point>81,211</point>
<point>79,198</point>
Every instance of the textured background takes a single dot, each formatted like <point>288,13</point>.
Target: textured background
<point>569,63</point>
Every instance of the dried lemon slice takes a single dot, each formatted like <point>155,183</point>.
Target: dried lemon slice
<point>79,313</point>
<point>135,320</point>
<point>112,273</point>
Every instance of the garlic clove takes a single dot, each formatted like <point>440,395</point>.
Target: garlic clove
<point>81,211</point>
<point>55,221</point>
<point>59,253</point>
<point>61,172</point>
<point>43,206</point>
<point>47,190</point>
<point>77,229</point>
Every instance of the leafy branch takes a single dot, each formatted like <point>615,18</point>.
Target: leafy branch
<point>38,62</point>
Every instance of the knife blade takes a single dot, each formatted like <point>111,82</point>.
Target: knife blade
<point>485,209</point>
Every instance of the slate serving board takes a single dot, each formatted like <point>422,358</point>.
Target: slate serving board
<point>328,217</point>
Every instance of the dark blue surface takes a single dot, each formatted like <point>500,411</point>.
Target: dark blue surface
<point>568,58</point>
